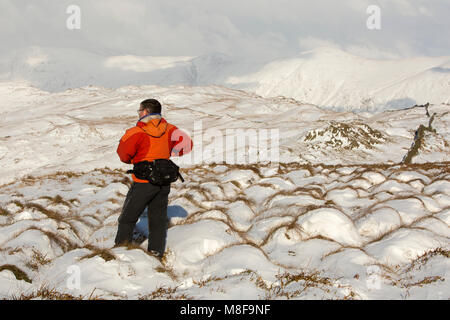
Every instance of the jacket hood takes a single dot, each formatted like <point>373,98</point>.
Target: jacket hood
<point>154,127</point>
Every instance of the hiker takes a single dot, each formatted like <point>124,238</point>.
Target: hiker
<point>152,138</point>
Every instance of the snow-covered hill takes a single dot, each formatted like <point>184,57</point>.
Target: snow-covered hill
<point>59,69</point>
<point>326,77</point>
<point>79,129</point>
<point>338,217</point>
<point>332,78</point>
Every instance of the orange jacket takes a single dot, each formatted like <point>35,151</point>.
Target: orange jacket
<point>156,139</point>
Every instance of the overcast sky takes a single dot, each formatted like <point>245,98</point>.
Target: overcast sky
<point>256,29</point>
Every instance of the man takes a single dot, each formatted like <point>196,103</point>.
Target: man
<point>152,138</point>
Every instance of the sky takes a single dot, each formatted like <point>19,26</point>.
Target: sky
<point>252,29</point>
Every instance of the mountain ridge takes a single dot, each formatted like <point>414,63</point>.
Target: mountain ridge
<point>326,77</point>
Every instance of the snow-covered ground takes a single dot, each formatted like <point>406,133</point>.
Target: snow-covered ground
<point>236,232</point>
<point>79,129</point>
<point>337,217</point>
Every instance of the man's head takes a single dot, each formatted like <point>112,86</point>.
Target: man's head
<point>149,106</point>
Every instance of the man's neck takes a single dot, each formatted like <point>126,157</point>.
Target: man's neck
<point>149,117</point>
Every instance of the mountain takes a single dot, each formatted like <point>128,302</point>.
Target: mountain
<point>326,77</point>
<point>59,69</point>
<point>335,79</point>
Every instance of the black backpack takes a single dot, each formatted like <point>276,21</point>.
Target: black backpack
<point>161,172</point>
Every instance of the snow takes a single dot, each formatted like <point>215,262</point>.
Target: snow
<point>380,222</point>
<point>325,77</point>
<point>143,64</point>
<point>199,245</point>
<point>333,222</point>
<point>241,215</point>
<point>403,246</point>
<point>441,186</point>
<point>9,284</point>
<point>332,78</point>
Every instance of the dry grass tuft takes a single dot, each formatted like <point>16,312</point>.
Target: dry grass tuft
<point>113,201</point>
<point>425,281</point>
<point>37,260</point>
<point>202,283</point>
<point>280,288</point>
<point>125,180</point>
<point>58,200</point>
<point>45,293</point>
<point>164,293</point>
<point>18,273</point>
<point>423,259</point>
<point>307,280</point>
<point>4,212</point>
<point>66,174</point>
<point>105,254</point>
<point>49,213</point>
<point>310,279</point>
<point>64,243</point>
<point>18,203</point>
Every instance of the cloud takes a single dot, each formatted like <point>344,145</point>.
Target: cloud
<point>252,29</point>
<point>408,8</point>
<point>361,48</point>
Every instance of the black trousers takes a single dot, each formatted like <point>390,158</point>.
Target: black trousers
<point>156,199</point>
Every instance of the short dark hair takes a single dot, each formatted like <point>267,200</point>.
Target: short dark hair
<point>151,105</point>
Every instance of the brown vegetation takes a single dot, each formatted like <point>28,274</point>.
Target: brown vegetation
<point>18,273</point>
